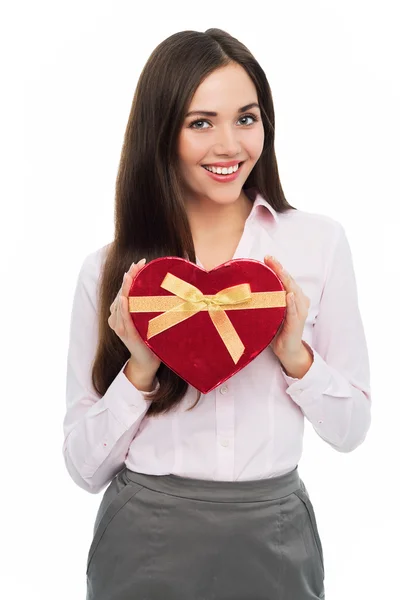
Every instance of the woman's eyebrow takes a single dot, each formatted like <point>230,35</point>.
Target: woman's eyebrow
<point>207,113</point>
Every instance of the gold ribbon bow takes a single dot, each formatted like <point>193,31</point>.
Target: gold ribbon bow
<point>175,311</point>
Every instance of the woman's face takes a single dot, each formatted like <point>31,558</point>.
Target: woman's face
<point>232,134</point>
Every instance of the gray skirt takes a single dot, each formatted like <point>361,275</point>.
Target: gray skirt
<point>173,538</point>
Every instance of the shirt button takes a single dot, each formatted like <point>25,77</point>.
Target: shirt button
<point>225,443</point>
<point>224,389</point>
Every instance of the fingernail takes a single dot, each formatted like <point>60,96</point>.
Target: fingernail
<point>141,262</point>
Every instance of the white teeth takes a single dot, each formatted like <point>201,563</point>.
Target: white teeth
<point>223,170</point>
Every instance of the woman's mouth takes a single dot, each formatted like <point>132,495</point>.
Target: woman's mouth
<point>223,174</point>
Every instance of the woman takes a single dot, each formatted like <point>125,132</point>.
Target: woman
<point>204,499</point>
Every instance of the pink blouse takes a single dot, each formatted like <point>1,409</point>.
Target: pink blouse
<point>252,426</point>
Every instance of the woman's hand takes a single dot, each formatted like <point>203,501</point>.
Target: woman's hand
<point>288,345</point>
<point>143,362</point>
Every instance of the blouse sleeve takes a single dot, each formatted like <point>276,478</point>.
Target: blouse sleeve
<point>334,394</point>
<point>97,430</point>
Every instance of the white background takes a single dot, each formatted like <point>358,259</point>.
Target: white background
<point>69,74</point>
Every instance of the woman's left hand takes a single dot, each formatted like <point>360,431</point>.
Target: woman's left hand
<point>287,344</point>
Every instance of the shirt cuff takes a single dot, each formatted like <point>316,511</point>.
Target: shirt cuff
<point>156,387</point>
<point>124,401</point>
<point>318,380</point>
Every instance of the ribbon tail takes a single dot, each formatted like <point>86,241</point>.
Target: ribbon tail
<point>172,317</point>
<point>228,333</point>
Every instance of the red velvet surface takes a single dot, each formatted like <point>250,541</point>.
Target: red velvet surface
<point>193,348</point>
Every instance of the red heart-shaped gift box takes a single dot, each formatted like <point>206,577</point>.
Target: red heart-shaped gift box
<point>206,325</point>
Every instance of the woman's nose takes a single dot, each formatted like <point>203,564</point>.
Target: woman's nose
<point>227,142</point>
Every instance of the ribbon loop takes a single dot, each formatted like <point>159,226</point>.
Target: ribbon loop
<point>195,301</point>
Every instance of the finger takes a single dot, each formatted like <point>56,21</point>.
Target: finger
<point>113,315</point>
<point>119,320</point>
<point>126,319</point>
<point>127,326</point>
<point>291,305</point>
<point>135,267</point>
<point>127,282</point>
<point>123,298</point>
<point>271,261</point>
<point>290,284</point>
<point>116,299</point>
<point>286,278</point>
<point>271,258</point>
<point>130,275</point>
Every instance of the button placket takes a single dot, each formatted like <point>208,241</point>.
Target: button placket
<point>225,420</point>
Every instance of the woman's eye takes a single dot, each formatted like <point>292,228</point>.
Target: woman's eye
<point>196,123</point>
<point>247,117</point>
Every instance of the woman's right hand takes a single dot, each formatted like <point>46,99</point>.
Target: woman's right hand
<point>143,360</point>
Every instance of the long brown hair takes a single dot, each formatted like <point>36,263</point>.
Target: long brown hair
<point>150,216</point>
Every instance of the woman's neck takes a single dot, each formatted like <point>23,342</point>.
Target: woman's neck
<point>208,219</point>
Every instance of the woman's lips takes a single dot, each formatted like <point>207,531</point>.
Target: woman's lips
<point>224,178</point>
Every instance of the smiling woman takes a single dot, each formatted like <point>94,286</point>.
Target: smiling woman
<point>204,497</point>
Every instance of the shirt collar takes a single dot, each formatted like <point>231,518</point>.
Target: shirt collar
<point>260,201</point>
